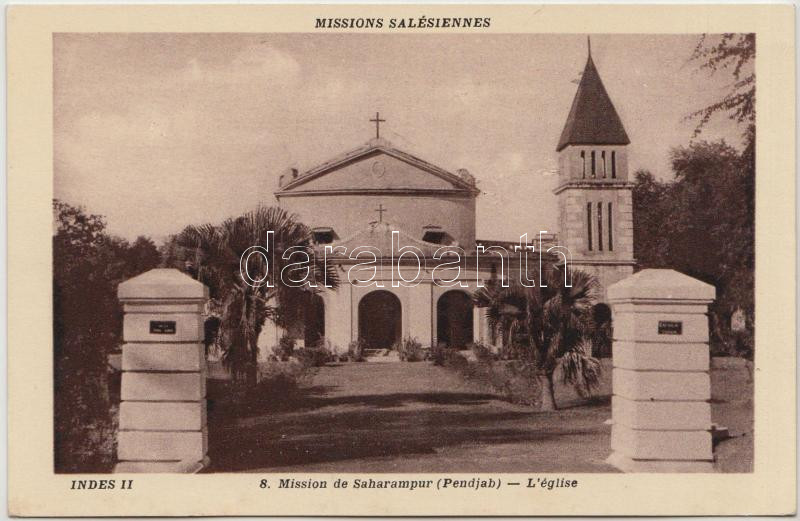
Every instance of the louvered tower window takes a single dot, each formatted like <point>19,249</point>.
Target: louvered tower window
<point>613,165</point>
<point>603,159</point>
<point>583,160</point>
<point>600,226</point>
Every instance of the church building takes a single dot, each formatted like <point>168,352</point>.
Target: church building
<point>377,199</point>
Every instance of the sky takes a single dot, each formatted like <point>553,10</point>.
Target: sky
<point>158,131</point>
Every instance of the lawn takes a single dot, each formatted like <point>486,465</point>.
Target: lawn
<point>417,417</point>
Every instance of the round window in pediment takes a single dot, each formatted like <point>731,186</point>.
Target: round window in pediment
<point>378,168</point>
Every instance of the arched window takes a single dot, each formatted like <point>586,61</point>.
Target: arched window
<point>594,168</point>
<point>380,319</point>
<point>435,234</point>
<point>323,235</point>
<point>601,339</point>
<point>454,320</point>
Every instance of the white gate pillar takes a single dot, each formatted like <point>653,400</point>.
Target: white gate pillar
<point>162,419</point>
<point>661,386</point>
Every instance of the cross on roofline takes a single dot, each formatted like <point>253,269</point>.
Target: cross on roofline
<point>378,122</point>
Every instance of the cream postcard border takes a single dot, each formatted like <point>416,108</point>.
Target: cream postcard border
<point>35,490</point>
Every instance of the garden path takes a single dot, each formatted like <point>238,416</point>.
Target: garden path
<point>408,417</point>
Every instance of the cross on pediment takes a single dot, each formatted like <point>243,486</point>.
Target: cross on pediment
<point>380,209</point>
<point>378,122</point>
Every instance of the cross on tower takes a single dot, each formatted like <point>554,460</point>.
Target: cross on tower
<point>380,209</point>
<point>378,122</point>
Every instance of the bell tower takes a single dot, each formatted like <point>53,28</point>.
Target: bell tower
<point>594,192</point>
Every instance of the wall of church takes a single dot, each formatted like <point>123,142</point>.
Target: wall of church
<point>348,214</point>
<point>418,308</point>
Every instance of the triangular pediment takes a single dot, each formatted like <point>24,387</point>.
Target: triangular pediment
<point>377,166</point>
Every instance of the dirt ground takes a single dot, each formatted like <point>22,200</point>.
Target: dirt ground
<point>417,417</point>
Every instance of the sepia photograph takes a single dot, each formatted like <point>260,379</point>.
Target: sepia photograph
<point>330,252</point>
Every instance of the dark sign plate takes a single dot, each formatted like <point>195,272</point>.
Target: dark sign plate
<point>666,327</point>
<point>162,327</point>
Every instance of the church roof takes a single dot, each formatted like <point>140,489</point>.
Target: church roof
<point>463,182</point>
<point>592,120</point>
<point>379,236</point>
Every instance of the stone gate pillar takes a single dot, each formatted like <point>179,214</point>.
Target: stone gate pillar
<point>661,386</point>
<point>162,419</point>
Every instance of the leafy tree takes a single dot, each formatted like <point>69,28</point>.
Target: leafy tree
<point>549,326</point>
<point>88,265</point>
<point>212,255</point>
<point>702,224</point>
<point>142,255</point>
<point>734,53</point>
<point>651,205</point>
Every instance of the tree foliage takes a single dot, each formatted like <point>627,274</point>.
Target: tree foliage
<point>733,53</point>
<point>702,224</point>
<point>88,264</point>
<point>212,255</point>
<point>550,325</point>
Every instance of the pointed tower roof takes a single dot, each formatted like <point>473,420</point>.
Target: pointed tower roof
<point>592,120</point>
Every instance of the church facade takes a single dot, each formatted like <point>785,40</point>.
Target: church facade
<point>390,222</point>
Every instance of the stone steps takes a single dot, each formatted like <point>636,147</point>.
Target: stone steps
<point>381,355</point>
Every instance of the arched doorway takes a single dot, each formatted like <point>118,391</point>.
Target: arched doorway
<point>380,320</point>
<point>602,331</point>
<point>454,320</point>
<point>314,321</point>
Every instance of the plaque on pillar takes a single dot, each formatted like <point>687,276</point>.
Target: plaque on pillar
<point>661,412</point>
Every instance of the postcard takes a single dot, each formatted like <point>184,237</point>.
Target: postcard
<point>401,260</point>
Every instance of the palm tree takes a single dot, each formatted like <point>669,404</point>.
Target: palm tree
<point>212,255</point>
<point>550,326</point>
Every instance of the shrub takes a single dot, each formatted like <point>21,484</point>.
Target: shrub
<point>318,355</point>
<point>732,343</point>
<point>483,352</point>
<point>518,381</point>
<point>285,348</point>
<point>514,351</point>
<point>437,355</point>
<point>313,357</point>
<point>355,351</point>
<point>515,380</point>
<point>446,356</point>
<point>410,350</point>
<point>89,446</point>
<point>455,360</point>
<point>280,387</point>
